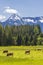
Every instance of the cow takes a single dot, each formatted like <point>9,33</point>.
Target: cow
<point>5,51</point>
<point>9,54</point>
<point>27,52</point>
<point>39,49</point>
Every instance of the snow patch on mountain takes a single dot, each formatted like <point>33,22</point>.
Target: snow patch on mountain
<point>17,18</point>
<point>28,20</point>
<point>41,21</point>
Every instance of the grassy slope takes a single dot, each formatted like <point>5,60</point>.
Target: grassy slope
<point>20,58</point>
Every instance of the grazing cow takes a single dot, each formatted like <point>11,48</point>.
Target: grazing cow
<point>39,49</point>
<point>27,52</point>
<point>5,51</point>
<point>9,54</point>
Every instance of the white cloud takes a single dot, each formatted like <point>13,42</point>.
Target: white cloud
<point>10,10</point>
<point>2,17</point>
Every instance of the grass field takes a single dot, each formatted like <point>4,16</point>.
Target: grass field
<point>20,58</point>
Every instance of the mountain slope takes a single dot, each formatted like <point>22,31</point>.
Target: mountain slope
<point>13,20</point>
<point>17,20</point>
<point>34,20</point>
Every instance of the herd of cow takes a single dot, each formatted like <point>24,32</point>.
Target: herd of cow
<point>11,54</point>
<point>8,54</point>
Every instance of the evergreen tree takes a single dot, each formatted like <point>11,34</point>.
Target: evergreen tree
<point>19,40</point>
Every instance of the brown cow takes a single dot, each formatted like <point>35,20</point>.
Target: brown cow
<point>27,52</point>
<point>9,54</point>
<point>39,49</point>
<point>5,51</point>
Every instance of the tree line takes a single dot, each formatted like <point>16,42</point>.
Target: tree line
<point>21,35</point>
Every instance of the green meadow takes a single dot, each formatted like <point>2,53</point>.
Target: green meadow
<point>19,57</point>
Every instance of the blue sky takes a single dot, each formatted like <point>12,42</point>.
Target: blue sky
<point>23,7</point>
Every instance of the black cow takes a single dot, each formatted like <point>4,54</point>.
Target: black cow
<point>9,54</point>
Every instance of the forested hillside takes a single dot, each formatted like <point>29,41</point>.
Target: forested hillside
<point>21,35</point>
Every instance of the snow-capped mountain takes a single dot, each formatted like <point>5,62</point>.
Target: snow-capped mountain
<point>13,20</point>
<point>34,20</point>
<point>17,20</point>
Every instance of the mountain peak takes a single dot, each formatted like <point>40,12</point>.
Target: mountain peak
<point>15,17</point>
